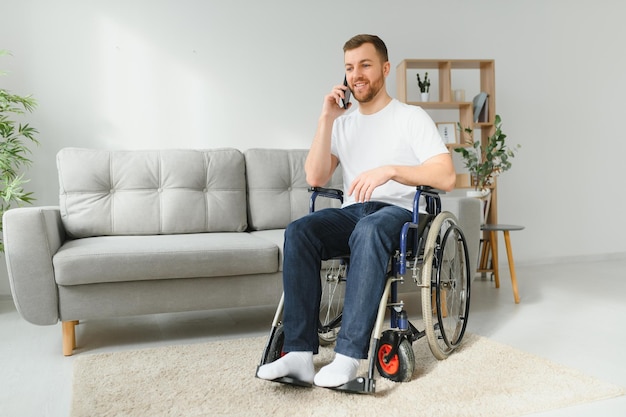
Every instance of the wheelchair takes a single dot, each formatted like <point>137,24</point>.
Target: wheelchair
<point>433,253</point>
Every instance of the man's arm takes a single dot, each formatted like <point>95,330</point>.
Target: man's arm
<point>320,163</point>
<point>437,172</point>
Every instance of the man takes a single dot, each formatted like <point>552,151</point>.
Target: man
<point>385,150</point>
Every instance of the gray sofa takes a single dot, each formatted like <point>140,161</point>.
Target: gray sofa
<point>144,232</point>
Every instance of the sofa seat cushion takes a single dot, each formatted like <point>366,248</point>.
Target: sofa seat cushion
<point>277,237</point>
<point>135,258</point>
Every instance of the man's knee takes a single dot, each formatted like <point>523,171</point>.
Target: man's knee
<point>301,230</point>
<point>294,228</point>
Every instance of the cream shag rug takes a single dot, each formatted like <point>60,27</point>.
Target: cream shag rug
<point>482,378</point>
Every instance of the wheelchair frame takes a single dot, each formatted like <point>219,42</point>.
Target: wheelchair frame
<point>439,265</point>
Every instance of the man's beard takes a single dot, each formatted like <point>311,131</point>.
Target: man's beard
<point>369,95</point>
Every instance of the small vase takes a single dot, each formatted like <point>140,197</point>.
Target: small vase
<point>425,96</point>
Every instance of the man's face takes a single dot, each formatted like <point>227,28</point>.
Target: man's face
<point>365,72</point>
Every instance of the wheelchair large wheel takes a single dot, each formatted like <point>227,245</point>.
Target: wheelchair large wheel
<point>446,268</point>
<point>331,304</point>
<point>400,367</point>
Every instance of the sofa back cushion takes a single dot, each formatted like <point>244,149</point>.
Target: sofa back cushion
<point>151,192</point>
<point>277,188</point>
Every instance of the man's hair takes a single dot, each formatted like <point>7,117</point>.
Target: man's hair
<point>359,40</point>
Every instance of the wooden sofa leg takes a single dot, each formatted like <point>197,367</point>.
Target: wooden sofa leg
<point>69,336</point>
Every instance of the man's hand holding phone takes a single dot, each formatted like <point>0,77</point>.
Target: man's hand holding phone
<point>337,101</point>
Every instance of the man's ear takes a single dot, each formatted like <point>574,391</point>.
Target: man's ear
<point>386,68</point>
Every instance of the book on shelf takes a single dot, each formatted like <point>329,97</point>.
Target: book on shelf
<point>483,117</point>
<point>480,107</point>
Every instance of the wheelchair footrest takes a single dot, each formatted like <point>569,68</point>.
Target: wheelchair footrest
<point>290,381</point>
<point>360,385</point>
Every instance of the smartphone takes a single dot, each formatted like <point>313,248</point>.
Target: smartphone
<point>347,94</point>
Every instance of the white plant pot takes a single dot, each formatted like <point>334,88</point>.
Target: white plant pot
<point>425,96</point>
<point>477,193</point>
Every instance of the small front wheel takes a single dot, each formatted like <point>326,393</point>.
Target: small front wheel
<point>400,367</point>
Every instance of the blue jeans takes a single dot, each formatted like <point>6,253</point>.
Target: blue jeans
<point>370,233</point>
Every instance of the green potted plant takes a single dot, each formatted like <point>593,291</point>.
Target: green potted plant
<point>424,86</point>
<point>14,140</point>
<point>484,165</point>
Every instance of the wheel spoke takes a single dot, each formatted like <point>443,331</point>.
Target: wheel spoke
<point>333,288</point>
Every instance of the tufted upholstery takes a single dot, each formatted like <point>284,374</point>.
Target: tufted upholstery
<point>277,189</point>
<point>105,193</point>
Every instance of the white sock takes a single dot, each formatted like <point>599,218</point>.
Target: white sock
<point>338,372</point>
<point>298,365</point>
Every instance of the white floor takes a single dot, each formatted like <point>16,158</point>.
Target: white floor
<point>572,314</point>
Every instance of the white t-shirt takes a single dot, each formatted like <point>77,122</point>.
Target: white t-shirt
<point>399,134</point>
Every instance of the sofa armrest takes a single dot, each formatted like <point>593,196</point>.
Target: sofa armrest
<point>32,235</point>
<point>467,212</point>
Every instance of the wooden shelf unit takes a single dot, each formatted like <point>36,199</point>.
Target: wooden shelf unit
<point>445,67</point>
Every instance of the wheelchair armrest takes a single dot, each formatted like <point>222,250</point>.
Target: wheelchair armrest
<point>323,192</point>
<point>429,189</point>
<point>328,192</point>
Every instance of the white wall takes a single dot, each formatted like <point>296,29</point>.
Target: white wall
<point>192,73</point>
